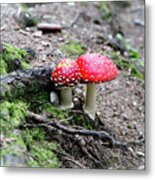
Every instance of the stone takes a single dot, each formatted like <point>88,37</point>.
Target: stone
<point>54,98</point>
<point>49,27</point>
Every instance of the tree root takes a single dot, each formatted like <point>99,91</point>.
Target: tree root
<point>105,137</point>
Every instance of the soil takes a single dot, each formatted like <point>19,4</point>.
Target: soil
<point>120,103</point>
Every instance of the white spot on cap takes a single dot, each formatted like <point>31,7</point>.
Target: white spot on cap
<point>67,80</point>
<point>92,76</point>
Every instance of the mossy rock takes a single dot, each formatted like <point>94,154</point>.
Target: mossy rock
<point>15,152</point>
<point>41,153</point>
<point>12,58</point>
<point>12,114</point>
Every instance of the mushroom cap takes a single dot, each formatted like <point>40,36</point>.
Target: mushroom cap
<point>95,68</point>
<point>66,73</point>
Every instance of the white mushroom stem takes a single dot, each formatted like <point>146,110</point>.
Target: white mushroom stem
<point>66,98</point>
<point>90,106</point>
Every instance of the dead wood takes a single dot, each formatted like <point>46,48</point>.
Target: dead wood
<point>25,78</point>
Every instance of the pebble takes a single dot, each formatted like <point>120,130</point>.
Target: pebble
<point>54,98</point>
<point>141,154</point>
<point>141,167</point>
<point>46,16</point>
<point>134,103</point>
<point>45,44</point>
<point>78,91</point>
<point>37,34</point>
<point>139,22</point>
<point>60,39</point>
<point>24,32</point>
<point>98,113</point>
<point>71,3</point>
<point>75,99</point>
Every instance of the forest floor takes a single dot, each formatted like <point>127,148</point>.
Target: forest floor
<point>115,29</point>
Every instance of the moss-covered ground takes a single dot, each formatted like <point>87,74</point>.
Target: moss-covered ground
<point>73,48</point>
<point>25,147</point>
<point>12,58</point>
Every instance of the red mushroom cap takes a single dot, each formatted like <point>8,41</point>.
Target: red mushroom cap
<point>66,73</point>
<point>95,68</point>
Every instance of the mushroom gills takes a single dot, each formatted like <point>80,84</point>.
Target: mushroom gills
<point>90,105</point>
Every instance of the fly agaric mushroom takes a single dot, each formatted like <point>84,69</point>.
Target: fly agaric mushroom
<point>66,75</point>
<point>94,69</point>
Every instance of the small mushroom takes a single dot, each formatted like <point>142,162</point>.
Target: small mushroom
<point>66,75</point>
<point>94,69</point>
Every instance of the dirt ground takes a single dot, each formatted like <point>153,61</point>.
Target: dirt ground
<point>120,103</point>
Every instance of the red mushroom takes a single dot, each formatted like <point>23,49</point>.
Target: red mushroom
<point>66,75</point>
<point>94,69</point>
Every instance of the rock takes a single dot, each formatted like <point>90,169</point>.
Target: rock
<point>140,154</point>
<point>78,91</point>
<point>23,32</point>
<point>45,44</point>
<point>3,28</point>
<point>49,27</point>
<point>13,160</point>
<point>30,53</point>
<point>141,167</point>
<point>134,103</point>
<point>54,98</point>
<point>61,39</point>
<point>47,16</point>
<point>37,34</point>
<point>71,3</point>
<point>17,64</point>
<point>139,22</point>
<point>14,153</point>
<point>25,19</point>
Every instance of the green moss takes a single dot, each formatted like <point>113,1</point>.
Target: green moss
<point>11,114</point>
<point>73,48</point>
<point>12,58</point>
<point>14,154</point>
<point>81,120</point>
<point>3,67</point>
<point>41,153</point>
<point>105,10</point>
<point>39,102</point>
<point>14,145</point>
